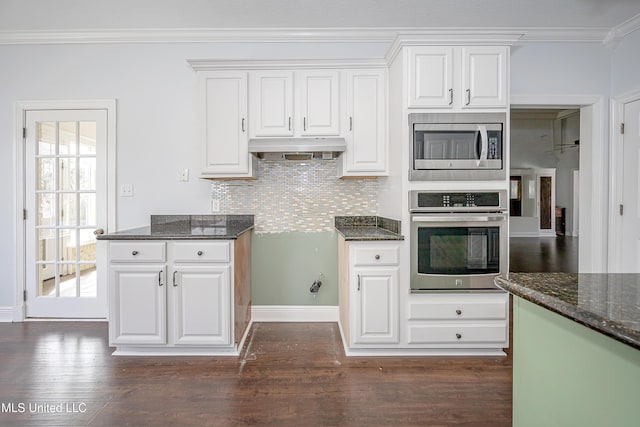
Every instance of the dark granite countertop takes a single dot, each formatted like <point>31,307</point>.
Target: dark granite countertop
<point>180,227</point>
<point>368,228</point>
<point>607,303</point>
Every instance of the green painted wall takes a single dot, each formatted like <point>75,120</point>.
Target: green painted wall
<point>284,265</point>
<point>565,374</point>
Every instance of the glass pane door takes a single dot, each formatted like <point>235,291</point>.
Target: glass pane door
<point>62,167</point>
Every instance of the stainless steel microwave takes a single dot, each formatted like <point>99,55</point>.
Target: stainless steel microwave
<point>457,146</point>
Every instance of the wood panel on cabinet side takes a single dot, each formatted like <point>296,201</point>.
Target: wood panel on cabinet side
<point>343,291</point>
<point>242,285</point>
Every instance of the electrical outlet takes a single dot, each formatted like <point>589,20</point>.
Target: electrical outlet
<point>184,175</point>
<point>126,190</point>
<point>215,205</point>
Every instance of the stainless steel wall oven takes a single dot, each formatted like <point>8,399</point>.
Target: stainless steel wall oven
<point>458,240</point>
<point>457,146</point>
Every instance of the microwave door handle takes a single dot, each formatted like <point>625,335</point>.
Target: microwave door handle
<point>484,140</point>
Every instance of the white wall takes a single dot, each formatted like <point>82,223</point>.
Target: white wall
<point>625,65</point>
<point>560,69</point>
<point>157,123</point>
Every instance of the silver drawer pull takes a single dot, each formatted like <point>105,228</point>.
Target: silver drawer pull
<point>458,336</point>
<point>200,253</point>
<point>458,312</point>
<point>377,257</point>
<point>134,253</point>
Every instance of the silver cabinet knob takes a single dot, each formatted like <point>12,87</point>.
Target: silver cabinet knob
<point>200,253</point>
<point>377,257</point>
<point>458,336</point>
<point>134,253</point>
<point>458,312</point>
<point>98,232</point>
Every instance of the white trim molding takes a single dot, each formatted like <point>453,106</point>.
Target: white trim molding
<point>316,35</point>
<point>616,161</point>
<point>594,241</point>
<point>619,32</point>
<point>294,313</point>
<point>11,314</point>
<point>286,64</point>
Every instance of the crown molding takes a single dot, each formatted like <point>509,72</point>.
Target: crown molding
<point>459,36</point>
<point>202,35</point>
<point>285,64</point>
<point>319,35</point>
<point>617,33</point>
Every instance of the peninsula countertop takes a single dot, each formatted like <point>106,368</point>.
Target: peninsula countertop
<point>368,228</point>
<point>187,227</point>
<point>606,303</point>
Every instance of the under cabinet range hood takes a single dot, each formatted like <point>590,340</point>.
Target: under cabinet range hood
<point>297,148</point>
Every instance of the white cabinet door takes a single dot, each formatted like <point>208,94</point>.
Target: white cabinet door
<point>137,309</point>
<point>318,106</point>
<point>201,303</point>
<point>366,135</point>
<point>485,76</point>
<point>225,115</point>
<point>271,103</point>
<point>431,77</point>
<point>376,305</point>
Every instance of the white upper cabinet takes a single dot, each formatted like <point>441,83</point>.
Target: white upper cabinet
<point>271,103</point>
<point>295,104</point>
<point>318,112</point>
<point>224,105</point>
<point>366,126</point>
<point>458,77</point>
<point>431,77</point>
<point>485,76</point>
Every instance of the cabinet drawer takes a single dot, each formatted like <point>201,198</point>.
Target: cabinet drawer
<point>376,255</point>
<point>136,252</point>
<point>450,310</point>
<point>201,251</point>
<point>463,333</point>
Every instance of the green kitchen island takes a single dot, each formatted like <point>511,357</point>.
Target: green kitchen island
<point>576,349</point>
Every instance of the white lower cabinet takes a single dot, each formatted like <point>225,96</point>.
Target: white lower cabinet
<point>376,305</point>
<point>137,304</point>
<point>368,294</point>
<point>171,295</point>
<point>201,305</point>
<point>458,320</point>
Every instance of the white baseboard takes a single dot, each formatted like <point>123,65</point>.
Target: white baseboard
<point>523,234</point>
<point>10,314</point>
<point>294,313</point>
<point>532,234</point>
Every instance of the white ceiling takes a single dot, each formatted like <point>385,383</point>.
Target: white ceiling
<point>28,15</point>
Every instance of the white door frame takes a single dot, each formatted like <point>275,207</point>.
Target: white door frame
<point>617,176</point>
<point>21,107</point>
<point>594,210</point>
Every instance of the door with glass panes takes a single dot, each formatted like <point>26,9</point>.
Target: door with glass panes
<point>65,202</point>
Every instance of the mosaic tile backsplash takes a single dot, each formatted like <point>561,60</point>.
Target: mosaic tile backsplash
<point>296,196</point>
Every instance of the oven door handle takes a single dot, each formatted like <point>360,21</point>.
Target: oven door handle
<point>460,218</point>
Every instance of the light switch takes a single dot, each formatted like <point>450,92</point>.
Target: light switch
<point>126,190</point>
<point>215,205</point>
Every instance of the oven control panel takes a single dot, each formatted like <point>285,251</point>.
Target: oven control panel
<point>426,201</point>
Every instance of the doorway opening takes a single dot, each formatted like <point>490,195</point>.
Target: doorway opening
<point>544,189</point>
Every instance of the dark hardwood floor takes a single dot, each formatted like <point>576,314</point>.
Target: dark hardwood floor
<point>288,374</point>
<point>543,254</point>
